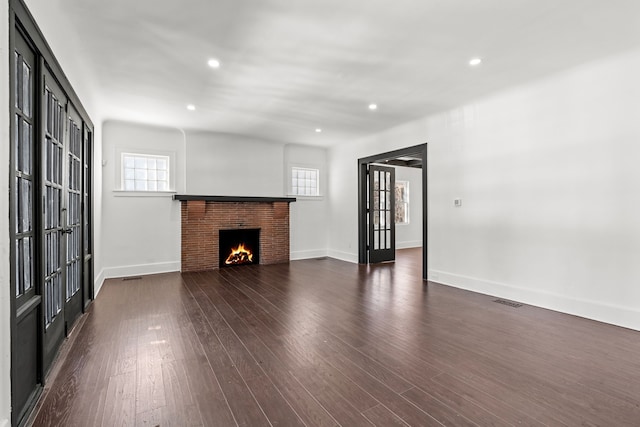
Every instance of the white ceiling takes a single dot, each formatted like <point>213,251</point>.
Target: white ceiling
<point>291,66</point>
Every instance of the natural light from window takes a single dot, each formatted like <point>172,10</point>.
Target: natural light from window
<point>305,182</point>
<point>144,172</point>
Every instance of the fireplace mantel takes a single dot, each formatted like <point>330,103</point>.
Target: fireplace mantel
<point>233,199</point>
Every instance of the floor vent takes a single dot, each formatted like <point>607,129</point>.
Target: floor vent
<point>509,303</point>
<point>131,278</point>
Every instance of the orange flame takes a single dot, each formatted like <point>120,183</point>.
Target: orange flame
<point>239,255</point>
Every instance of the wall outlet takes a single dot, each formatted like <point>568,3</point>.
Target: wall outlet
<point>457,202</point>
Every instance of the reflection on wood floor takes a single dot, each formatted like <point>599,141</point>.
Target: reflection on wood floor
<point>325,343</point>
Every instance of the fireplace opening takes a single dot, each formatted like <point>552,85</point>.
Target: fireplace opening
<point>239,247</point>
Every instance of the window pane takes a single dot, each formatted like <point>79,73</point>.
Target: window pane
<point>28,264</point>
<point>141,174</point>
<point>25,148</point>
<point>26,90</point>
<point>141,163</point>
<point>25,199</point>
<point>17,92</point>
<point>304,182</point>
<point>145,173</point>
<point>128,162</point>
<point>18,272</point>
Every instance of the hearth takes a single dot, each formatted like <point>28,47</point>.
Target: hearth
<point>239,247</point>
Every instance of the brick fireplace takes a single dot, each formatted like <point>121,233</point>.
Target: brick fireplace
<point>204,216</point>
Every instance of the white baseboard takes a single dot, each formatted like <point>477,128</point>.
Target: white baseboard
<point>97,283</point>
<point>316,253</point>
<point>343,256</point>
<point>141,269</point>
<point>607,313</point>
<point>409,244</point>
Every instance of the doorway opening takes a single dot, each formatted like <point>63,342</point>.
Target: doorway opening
<point>376,225</point>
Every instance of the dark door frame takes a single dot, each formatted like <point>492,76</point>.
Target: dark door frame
<point>417,151</point>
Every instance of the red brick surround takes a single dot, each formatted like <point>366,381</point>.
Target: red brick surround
<point>202,221</point>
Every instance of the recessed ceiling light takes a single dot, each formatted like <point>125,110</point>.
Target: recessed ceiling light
<point>213,63</point>
<point>475,61</point>
<point>373,106</point>
<point>318,130</point>
<point>191,107</point>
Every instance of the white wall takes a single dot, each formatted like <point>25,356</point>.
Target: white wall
<point>410,235</point>
<point>548,176</point>
<point>5,242</point>
<point>230,165</point>
<point>61,37</point>
<point>308,218</point>
<point>140,232</point>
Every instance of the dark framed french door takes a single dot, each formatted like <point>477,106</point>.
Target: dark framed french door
<point>53,189</point>
<point>25,226</point>
<point>418,152</point>
<point>382,227</point>
<point>50,209</point>
<point>62,190</point>
<point>73,218</point>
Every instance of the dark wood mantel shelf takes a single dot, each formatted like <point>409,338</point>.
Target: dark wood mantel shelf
<point>232,199</point>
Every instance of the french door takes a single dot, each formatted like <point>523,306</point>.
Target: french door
<point>62,194</point>
<point>50,206</point>
<point>382,229</point>
<point>25,361</point>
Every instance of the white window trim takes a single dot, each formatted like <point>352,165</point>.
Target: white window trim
<point>290,193</point>
<point>118,189</point>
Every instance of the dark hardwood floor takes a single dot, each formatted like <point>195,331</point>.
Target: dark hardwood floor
<point>326,343</point>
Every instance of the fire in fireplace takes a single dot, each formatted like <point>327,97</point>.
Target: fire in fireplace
<point>239,255</point>
<point>239,247</point>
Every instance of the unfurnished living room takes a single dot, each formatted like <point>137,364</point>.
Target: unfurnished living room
<point>320,213</point>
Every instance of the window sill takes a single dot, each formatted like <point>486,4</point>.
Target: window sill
<point>123,193</point>
<point>299,198</point>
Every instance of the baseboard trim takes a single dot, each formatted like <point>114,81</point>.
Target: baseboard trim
<point>314,253</point>
<point>409,244</point>
<point>616,315</point>
<point>141,269</point>
<point>343,256</point>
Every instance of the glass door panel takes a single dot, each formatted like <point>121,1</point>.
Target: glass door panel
<point>382,245</point>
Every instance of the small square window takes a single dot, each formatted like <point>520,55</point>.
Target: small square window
<point>305,182</point>
<point>144,172</point>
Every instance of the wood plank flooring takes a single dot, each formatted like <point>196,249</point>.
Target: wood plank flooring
<point>328,343</point>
